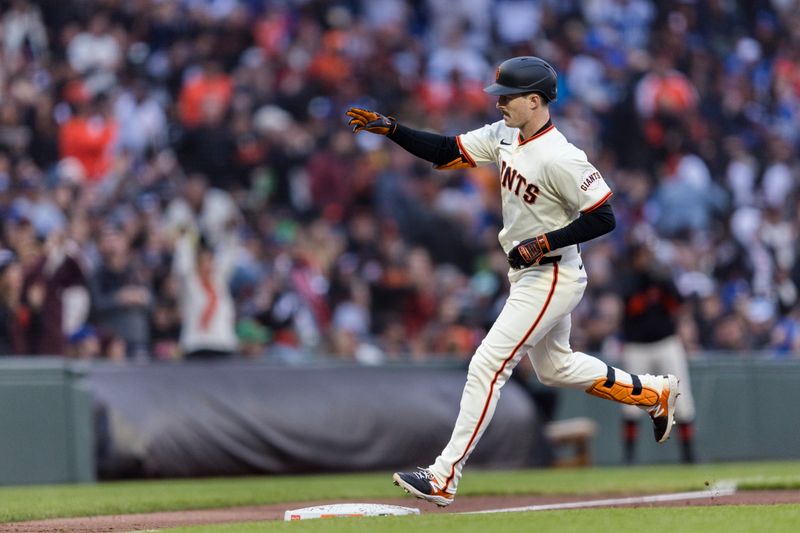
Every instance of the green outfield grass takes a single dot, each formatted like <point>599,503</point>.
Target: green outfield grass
<point>38,502</point>
<point>724,519</point>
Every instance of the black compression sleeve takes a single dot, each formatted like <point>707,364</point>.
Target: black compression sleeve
<point>438,149</point>
<point>586,227</point>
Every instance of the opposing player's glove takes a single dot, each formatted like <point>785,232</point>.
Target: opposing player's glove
<point>529,252</point>
<point>363,119</point>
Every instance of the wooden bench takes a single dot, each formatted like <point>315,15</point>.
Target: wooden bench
<point>574,433</point>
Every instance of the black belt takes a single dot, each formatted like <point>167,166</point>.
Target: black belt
<point>550,259</point>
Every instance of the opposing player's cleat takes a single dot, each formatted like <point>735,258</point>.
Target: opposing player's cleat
<point>663,412</point>
<point>424,486</point>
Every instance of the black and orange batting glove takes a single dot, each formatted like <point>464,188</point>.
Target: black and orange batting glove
<point>529,252</point>
<point>363,119</point>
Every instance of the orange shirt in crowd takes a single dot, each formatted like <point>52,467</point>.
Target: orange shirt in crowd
<point>90,140</point>
<point>436,96</point>
<point>199,90</point>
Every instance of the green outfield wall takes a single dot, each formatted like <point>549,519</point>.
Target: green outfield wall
<point>746,410</point>
<point>46,433</point>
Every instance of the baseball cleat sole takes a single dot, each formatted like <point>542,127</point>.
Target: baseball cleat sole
<point>441,501</point>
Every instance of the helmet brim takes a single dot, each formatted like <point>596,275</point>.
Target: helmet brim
<point>500,90</point>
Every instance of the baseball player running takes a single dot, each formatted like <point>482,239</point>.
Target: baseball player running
<point>553,199</point>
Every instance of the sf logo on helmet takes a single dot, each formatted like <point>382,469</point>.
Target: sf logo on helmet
<point>497,74</point>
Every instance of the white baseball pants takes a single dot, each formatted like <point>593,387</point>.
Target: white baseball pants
<point>534,321</point>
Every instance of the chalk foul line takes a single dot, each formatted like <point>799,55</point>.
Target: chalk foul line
<point>718,490</point>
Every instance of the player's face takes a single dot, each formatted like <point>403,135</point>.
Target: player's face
<point>516,109</point>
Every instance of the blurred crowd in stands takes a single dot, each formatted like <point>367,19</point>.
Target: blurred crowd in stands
<point>177,179</point>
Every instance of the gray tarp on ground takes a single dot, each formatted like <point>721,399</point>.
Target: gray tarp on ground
<point>232,418</point>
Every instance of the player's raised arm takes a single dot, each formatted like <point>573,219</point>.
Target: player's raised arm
<point>441,150</point>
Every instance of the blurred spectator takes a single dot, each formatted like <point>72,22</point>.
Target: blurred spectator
<point>253,338</point>
<point>664,93</point>
<point>627,21</point>
<point>201,209</point>
<point>89,137</point>
<point>351,325</point>
<point>786,335</point>
<point>455,54</point>
<point>516,20</point>
<point>14,315</point>
<point>121,296</point>
<point>687,199</point>
<point>84,344</point>
<point>88,344</point>
<point>651,344</point>
<point>96,53</point>
<point>210,147</point>
<point>778,185</point>
<point>204,298</point>
<point>165,320</point>
<point>144,119</point>
<point>24,33</point>
<point>207,90</point>
<point>36,202</point>
<point>46,280</point>
<point>741,172</point>
<point>331,179</point>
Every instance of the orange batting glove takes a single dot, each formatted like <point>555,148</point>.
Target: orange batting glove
<point>529,252</point>
<point>362,119</point>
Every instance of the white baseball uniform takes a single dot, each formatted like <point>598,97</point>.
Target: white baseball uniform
<point>546,183</point>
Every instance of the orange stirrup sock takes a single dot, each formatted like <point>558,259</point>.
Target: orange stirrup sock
<point>633,394</point>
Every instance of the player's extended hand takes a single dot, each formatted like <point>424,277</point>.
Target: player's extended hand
<point>363,119</point>
<point>529,252</point>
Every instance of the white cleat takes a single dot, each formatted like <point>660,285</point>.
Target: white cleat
<point>663,413</point>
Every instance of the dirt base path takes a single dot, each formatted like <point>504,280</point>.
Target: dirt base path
<point>153,521</point>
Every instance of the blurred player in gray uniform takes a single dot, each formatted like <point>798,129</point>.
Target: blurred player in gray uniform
<point>552,199</point>
<point>651,344</point>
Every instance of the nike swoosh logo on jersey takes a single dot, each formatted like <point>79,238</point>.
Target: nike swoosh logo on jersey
<point>503,141</point>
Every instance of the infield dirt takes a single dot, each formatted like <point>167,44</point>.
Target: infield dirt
<point>140,522</point>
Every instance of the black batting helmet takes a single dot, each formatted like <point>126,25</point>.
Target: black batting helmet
<point>525,74</point>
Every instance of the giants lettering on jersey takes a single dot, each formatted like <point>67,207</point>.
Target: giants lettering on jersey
<point>591,178</point>
<point>516,183</point>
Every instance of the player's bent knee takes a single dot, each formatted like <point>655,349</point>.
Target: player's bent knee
<point>549,380</point>
<point>554,378</point>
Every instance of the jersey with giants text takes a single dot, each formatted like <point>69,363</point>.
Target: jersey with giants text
<point>545,181</point>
